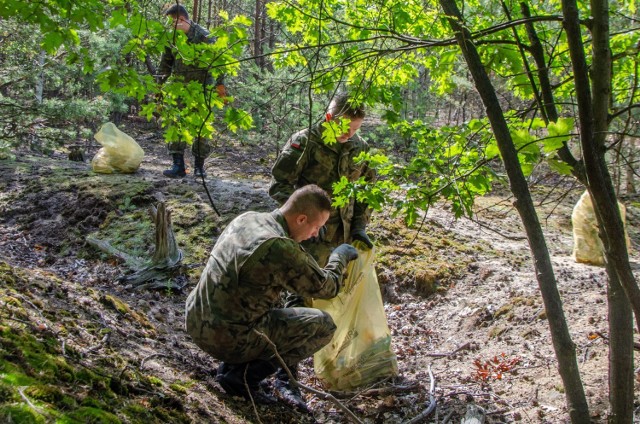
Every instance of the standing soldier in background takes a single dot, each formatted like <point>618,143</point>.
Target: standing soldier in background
<point>307,159</point>
<point>172,64</point>
<point>255,259</point>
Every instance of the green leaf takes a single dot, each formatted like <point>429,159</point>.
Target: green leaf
<point>52,41</point>
<point>559,133</point>
<point>560,167</point>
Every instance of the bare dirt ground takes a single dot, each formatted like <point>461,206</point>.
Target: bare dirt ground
<point>480,336</point>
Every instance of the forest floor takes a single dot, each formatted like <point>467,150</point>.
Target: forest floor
<point>461,300</point>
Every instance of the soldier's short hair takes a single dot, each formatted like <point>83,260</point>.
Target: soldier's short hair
<point>344,105</point>
<point>308,200</point>
<point>176,10</point>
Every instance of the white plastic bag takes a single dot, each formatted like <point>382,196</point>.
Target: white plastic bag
<point>119,153</point>
<point>360,352</point>
<point>587,245</point>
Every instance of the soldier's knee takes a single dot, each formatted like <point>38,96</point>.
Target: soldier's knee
<point>328,325</point>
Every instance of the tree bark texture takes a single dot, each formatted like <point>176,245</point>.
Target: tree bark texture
<point>166,258</point>
<point>195,14</point>
<point>594,124</point>
<point>548,106</point>
<point>258,30</point>
<point>621,373</point>
<point>593,127</point>
<point>562,343</point>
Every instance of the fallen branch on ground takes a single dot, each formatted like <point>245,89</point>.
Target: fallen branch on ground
<point>432,401</point>
<point>636,345</point>
<point>100,345</point>
<point>464,346</point>
<point>320,394</point>
<point>385,391</point>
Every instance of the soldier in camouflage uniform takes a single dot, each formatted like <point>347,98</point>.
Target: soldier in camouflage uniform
<point>307,159</point>
<point>172,64</point>
<point>255,259</point>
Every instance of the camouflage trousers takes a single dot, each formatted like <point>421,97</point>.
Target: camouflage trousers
<point>297,334</point>
<point>200,147</point>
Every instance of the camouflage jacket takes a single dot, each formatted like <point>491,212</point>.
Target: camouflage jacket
<point>251,264</point>
<point>306,159</point>
<point>172,64</point>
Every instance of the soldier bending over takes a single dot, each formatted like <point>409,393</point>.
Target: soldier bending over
<point>257,258</point>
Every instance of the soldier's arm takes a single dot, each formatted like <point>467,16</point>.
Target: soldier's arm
<point>166,64</point>
<point>286,171</point>
<point>285,265</point>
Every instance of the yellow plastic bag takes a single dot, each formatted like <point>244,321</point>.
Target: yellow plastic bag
<point>119,153</point>
<point>360,352</point>
<point>587,246</point>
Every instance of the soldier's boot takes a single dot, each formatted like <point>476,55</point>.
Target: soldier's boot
<point>244,380</point>
<point>288,392</point>
<point>198,167</point>
<point>178,169</point>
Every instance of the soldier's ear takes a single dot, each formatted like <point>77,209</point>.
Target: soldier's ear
<point>301,219</point>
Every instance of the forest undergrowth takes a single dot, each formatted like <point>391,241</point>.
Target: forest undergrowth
<point>460,297</point>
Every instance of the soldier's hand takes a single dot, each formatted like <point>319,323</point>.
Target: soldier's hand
<point>346,251</point>
<point>361,234</point>
<point>322,232</point>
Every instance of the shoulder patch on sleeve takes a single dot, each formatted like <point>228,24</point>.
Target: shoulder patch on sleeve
<point>298,140</point>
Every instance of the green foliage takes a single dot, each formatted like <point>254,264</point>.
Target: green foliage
<point>449,164</point>
<point>70,107</point>
<point>82,49</point>
<point>185,110</point>
<point>390,50</point>
<point>59,20</point>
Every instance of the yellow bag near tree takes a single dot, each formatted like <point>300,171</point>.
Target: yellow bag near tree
<point>587,246</point>
<point>119,153</point>
<point>360,352</point>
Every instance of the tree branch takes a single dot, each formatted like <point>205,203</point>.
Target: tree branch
<point>320,394</point>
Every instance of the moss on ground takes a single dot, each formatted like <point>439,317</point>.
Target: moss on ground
<point>42,380</point>
<point>424,261</point>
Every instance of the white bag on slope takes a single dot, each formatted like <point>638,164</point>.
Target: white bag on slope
<point>587,246</point>
<point>119,153</point>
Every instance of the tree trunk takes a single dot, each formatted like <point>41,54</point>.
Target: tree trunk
<point>167,253</point>
<point>548,106</point>
<point>621,374</point>
<point>40,81</point>
<point>630,186</point>
<point>195,14</point>
<point>166,260</point>
<point>562,343</point>
<point>594,124</point>
<point>257,34</point>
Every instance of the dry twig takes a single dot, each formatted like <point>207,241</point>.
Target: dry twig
<point>103,342</point>
<point>320,394</point>
<point>432,401</point>
<point>155,355</point>
<point>446,355</point>
<point>636,345</point>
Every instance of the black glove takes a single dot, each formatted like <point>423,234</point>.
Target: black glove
<point>321,233</point>
<point>361,234</point>
<point>345,251</point>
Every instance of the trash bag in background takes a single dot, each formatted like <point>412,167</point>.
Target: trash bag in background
<point>587,245</point>
<point>360,352</point>
<point>119,153</point>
